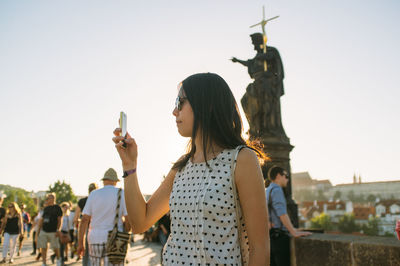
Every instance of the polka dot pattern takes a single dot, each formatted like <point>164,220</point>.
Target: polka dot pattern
<point>203,215</point>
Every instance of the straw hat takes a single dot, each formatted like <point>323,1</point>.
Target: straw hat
<point>110,174</point>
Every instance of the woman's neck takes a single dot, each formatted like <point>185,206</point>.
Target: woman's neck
<point>212,151</point>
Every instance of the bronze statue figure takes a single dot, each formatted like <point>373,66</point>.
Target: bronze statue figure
<point>261,102</point>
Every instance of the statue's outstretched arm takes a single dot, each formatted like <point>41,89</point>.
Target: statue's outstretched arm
<point>245,63</point>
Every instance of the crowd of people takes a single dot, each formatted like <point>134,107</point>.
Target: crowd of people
<point>57,226</point>
<point>51,224</point>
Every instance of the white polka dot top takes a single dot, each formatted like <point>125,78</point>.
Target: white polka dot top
<point>203,217</point>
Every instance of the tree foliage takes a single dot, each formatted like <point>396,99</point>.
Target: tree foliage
<point>309,195</point>
<point>337,195</point>
<point>321,195</point>
<point>372,227</point>
<point>20,196</point>
<point>63,192</point>
<point>323,221</point>
<point>347,224</point>
<point>351,196</point>
<point>371,198</point>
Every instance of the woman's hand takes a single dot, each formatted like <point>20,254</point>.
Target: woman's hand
<point>127,154</point>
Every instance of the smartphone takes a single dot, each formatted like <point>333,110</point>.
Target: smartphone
<point>122,123</point>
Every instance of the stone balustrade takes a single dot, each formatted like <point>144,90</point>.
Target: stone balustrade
<point>342,250</point>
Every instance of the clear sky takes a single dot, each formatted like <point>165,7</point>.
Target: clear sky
<point>67,68</point>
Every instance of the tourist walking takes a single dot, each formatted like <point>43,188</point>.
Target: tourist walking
<point>164,229</point>
<point>12,226</point>
<point>49,230</point>
<point>281,227</point>
<point>65,236</point>
<point>2,210</point>
<point>164,225</point>
<point>36,231</point>
<point>100,210</point>
<point>35,226</point>
<point>78,215</point>
<point>210,223</point>
<point>26,219</point>
<point>72,232</point>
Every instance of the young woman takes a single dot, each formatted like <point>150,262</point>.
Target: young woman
<point>12,227</point>
<point>198,190</point>
<point>65,231</point>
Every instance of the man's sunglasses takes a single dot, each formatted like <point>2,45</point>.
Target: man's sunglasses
<point>180,100</point>
<point>286,175</point>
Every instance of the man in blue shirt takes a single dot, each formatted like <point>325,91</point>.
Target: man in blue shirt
<point>280,225</point>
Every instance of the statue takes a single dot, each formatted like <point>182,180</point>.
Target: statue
<point>262,106</point>
<point>261,102</point>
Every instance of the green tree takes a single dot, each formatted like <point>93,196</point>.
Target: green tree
<point>347,224</point>
<point>20,196</point>
<point>337,195</point>
<point>322,221</point>
<point>304,195</point>
<point>351,196</point>
<point>372,227</point>
<point>371,198</point>
<point>321,195</point>
<point>63,192</point>
<point>360,198</point>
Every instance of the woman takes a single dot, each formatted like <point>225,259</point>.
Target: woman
<point>65,232</point>
<point>35,225</point>
<point>198,191</point>
<point>12,227</point>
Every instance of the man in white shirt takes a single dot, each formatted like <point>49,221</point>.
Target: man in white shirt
<point>100,210</point>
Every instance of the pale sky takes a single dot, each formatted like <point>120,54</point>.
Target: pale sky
<point>67,68</point>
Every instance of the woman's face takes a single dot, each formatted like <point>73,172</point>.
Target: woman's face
<point>64,208</point>
<point>184,115</point>
<point>11,208</point>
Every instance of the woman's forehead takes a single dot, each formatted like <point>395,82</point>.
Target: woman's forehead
<point>181,91</point>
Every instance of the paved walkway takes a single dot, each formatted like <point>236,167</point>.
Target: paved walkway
<point>140,254</point>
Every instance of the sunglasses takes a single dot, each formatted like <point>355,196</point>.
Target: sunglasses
<point>286,175</point>
<point>180,100</point>
<point>11,206</point>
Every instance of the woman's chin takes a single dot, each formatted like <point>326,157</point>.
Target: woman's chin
<point>184,134</point>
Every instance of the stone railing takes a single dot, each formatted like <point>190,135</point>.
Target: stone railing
<point>343,250</point>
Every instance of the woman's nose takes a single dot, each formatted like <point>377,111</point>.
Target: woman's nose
<point>175,112</point>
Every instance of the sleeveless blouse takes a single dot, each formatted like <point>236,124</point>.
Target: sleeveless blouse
<point>203,216</point>
<point>12,226</point>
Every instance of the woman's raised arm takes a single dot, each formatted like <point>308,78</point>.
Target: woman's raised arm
<point>141,214</point>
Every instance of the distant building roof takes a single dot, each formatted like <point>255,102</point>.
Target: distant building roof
<point>303,180</point>
<point>325,182</point>
<point>363,212</point>
<point>367,183</point>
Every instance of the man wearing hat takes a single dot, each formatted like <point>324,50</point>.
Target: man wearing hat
<point>100,210</point>
<point>78,213</point>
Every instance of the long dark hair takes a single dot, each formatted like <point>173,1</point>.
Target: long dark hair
<point>216,114</point>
